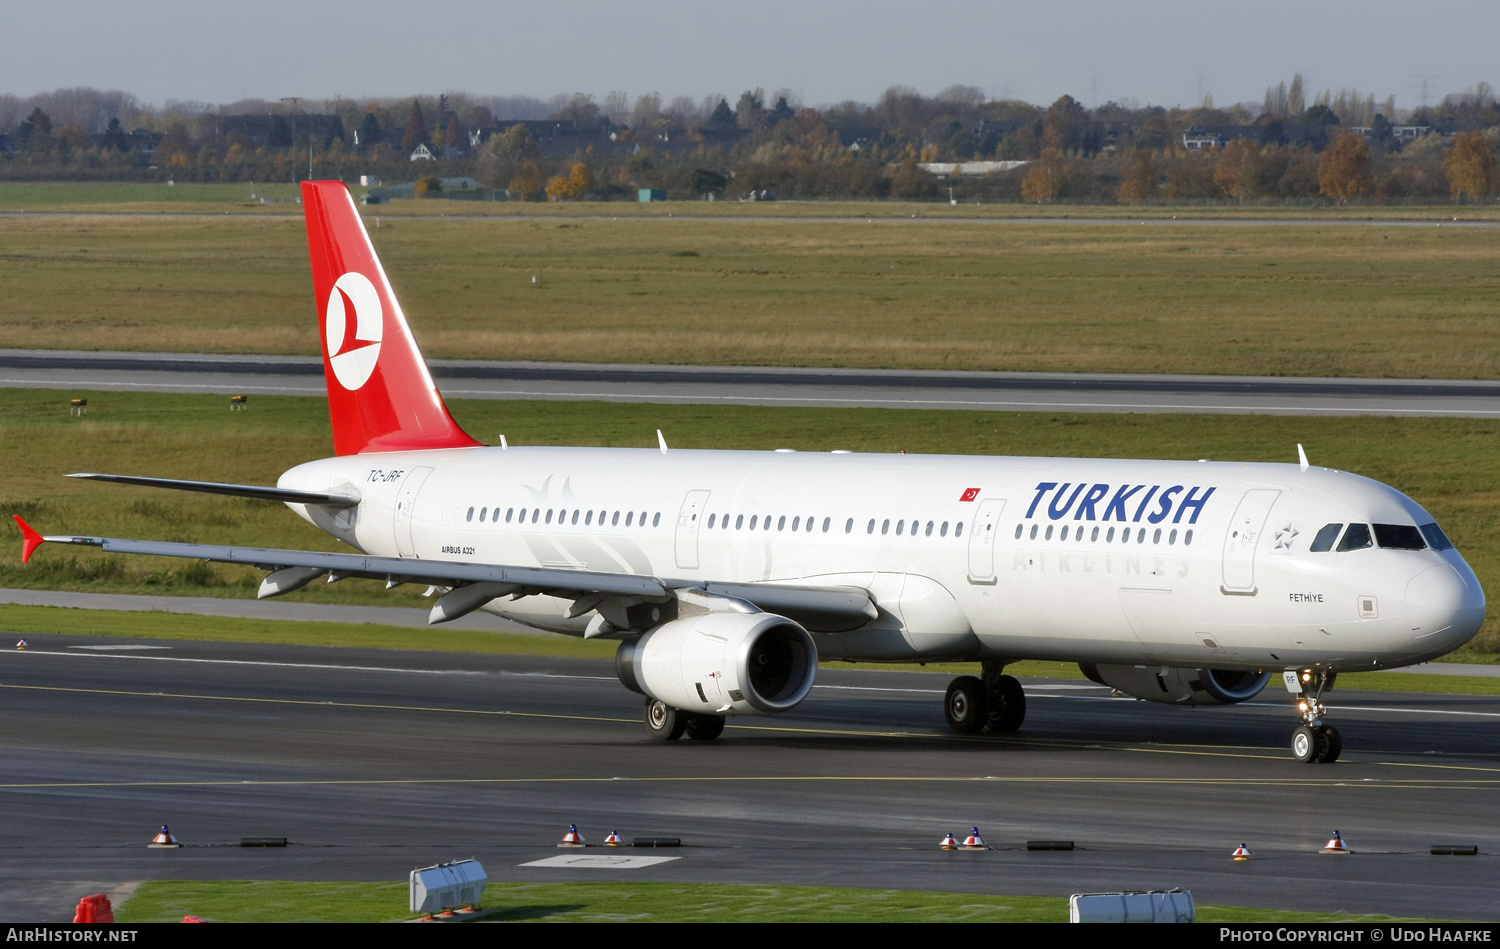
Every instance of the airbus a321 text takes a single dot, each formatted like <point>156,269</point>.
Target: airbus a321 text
<point>725,575</point>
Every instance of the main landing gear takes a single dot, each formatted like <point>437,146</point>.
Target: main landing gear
<point>991,700</point>
<point>1314,740</point>
<point>665,723</point>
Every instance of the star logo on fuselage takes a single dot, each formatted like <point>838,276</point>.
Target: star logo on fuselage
<point>1285,535</point>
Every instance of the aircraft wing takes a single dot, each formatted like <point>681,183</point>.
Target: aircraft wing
<point>471,585</point>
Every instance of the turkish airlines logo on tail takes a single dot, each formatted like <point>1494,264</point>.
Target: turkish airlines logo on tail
<point>352,328</point>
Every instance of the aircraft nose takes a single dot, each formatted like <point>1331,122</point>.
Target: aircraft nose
<point>1443,600</point>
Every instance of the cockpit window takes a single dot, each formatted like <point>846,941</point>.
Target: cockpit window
<point>1324,541</point>
<point>1436,537</point>
<point>1357,537</point>
<point>1398,537</point>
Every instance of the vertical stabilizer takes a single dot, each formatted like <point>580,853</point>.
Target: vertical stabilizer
<point>380,394</point>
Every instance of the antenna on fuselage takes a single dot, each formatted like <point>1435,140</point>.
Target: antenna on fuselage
<point>662,441</point>
<point>503,444</point>
<point>1301,456</point>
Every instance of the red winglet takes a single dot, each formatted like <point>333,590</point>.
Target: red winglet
<point>30,541</point>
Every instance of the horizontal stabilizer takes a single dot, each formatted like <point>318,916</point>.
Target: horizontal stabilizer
<point>344,497</point>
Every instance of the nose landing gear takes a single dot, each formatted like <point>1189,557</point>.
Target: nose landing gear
<point>1314,740</point>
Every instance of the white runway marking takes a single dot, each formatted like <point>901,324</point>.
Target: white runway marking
<point>118,648</point>
<point>588,861</point>
<point>249,662</point>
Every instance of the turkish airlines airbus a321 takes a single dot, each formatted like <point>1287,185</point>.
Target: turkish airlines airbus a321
<point>725,575</point>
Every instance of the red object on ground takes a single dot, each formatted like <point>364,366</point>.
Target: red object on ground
<point>30,539</point>
<point>193,919</point>
<point>380,395</point>
<point>94,909</point>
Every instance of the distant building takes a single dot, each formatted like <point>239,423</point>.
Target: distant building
<point>423,153</point>
<point>857,140</point>
<point>969,169</point>
<point>647,195</point>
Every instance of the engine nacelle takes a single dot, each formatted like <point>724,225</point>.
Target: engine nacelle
<point>1179,686</point>
<point>722,663</point>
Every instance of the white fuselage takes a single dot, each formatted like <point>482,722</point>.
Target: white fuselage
<point>1144,562</point>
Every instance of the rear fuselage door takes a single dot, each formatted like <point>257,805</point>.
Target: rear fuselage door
<point>1242,538</point>
<point>982,535</point>
<point>406,500</point>
<point>689,520</point>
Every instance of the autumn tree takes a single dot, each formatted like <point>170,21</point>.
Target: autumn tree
<point>1470,165</point>
<point>1044,180</point>
<point>527,180</point>
<point>416,127</point>
<point>430,186</point>
<point>502,157</point>
<point>1235,167</point>
<point>1138,183</point>
<point>454,136</point>
<point>578,183</point>
<point>1344,170</point>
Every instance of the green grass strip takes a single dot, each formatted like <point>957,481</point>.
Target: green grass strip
<point>264,901</point>
<point>66,621</point>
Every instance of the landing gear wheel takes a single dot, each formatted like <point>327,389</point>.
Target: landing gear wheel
<point>1306,744</point>
<point>704,727</point>
<point>966,705</point>
<point>1007,705</point>
<point>1330,746</point>
<point>663,722</point>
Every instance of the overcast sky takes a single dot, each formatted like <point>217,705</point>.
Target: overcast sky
<point>1150,51</point>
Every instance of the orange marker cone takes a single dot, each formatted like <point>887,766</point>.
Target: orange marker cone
<point>1243,853</point>
<point>21,644</point>
<point>193,919</point>
<point>613,840</point>
<point>1336,845</point>
<point>572,838</point>
<point>974,841</point>
<point>163,840</point>
<point>949,842</point>
<point>94,909</point>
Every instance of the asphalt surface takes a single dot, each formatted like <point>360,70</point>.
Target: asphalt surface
<point>375,762</point>
<point>748,385</point>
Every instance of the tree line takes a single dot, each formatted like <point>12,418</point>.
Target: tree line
<point>1284,149</point>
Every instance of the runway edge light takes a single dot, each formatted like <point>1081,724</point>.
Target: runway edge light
<point>1336,845</point>
<point>164,840</point>
<point>1242,852</point>
<point>21,644</point>
<point>974,841</point>
<point>949,842</point>
<point>573,838</point>
<point>613,840</point>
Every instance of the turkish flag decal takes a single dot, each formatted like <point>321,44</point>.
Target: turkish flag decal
<point>970,494</point>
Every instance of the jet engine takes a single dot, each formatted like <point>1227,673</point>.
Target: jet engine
<point>722,663</point>
<point>1178,686</point>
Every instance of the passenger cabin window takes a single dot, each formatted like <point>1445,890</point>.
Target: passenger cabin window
<point>1436,537</point>
<point>1399,537</point>
<point>870,529</point>
<point>615,521</point>
<point>885,528</point>
<point>781,523</point>
<point>655,520</point>
<point>482,512</point>
<point>471,515</point>
<point>711,520</point>
<point>1323,542</point>
<point>958,529</point>
<point>1357,537</point>
<point>508,512</point>
<point>899,525</point>
<point>849,526</point>
<point>629,517</point>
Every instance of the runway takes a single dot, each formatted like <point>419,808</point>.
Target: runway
<point>750,385</point>
<point>374,762</point>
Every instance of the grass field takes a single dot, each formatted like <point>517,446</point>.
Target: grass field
<point>344,902</point>
<point>42,625</point>
<point>1339,301</point>
<point>104,197</point>
<point>1446,464</point>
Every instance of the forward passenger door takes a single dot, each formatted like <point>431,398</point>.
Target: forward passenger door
<point>689,521</point>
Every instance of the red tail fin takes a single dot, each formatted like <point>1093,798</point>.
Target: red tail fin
<point>380,395</point>
<point>30,539</point>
